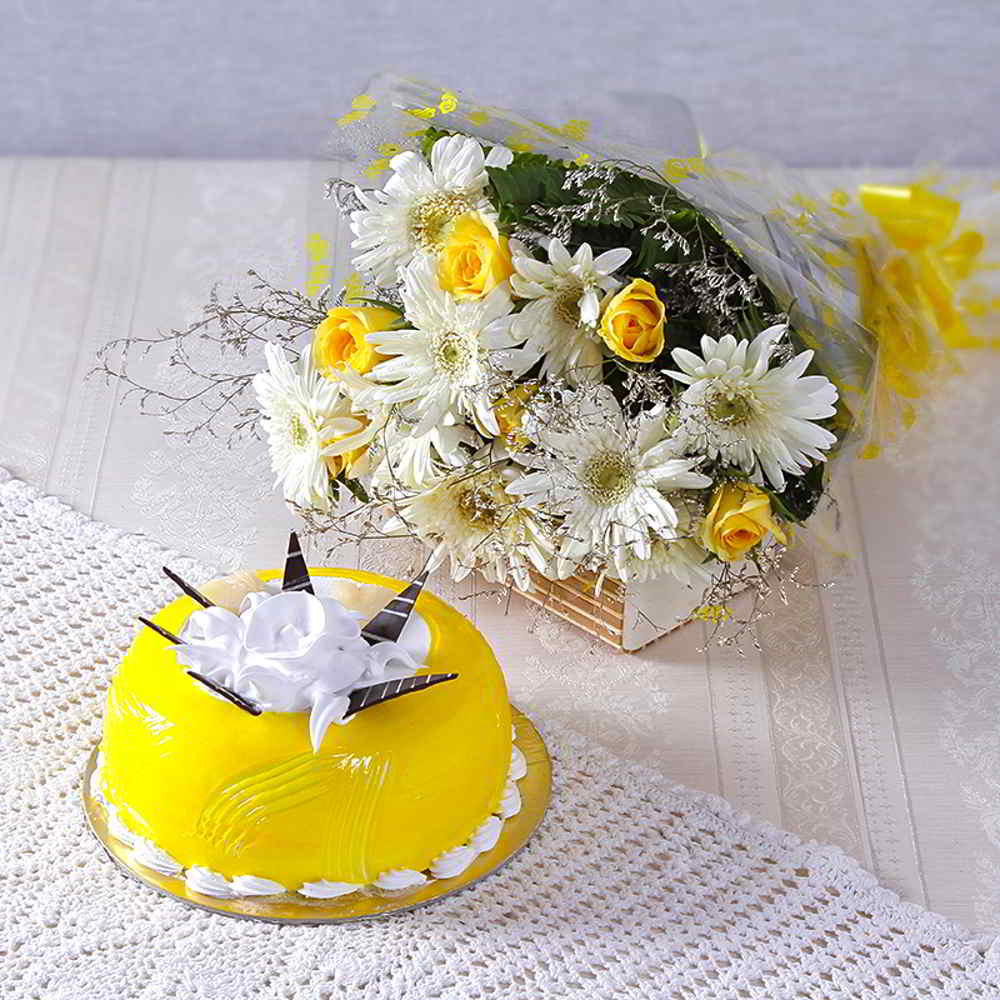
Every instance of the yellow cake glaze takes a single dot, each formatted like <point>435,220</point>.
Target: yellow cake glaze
<point>243,795</point>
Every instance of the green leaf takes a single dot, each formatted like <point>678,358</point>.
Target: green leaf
<point>356,489</point>
<point>379,302</point>
<point>797,501</point>
<point>431,136</point>
<point>530,179</point>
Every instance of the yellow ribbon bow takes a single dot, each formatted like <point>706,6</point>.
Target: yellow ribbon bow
<point>919,222</point>
<point>909,294</point>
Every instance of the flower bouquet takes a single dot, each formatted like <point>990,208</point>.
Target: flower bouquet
<point>607,377</point>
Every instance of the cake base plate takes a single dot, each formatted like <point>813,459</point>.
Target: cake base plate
<point>290,908</point>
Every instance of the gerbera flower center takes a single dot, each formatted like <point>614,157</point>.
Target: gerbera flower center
<point>298,431</point>
<point>730,406</point>
<point>453,353</point>
<point>608,477</point>
<point>479,507</point>
<point>431,216</point>
<point>567,303</point>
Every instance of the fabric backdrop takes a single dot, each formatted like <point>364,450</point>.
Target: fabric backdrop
<point>817,84</point>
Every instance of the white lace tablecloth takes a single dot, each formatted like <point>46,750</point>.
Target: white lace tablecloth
<point>632,888</point>
<point>867,719</point>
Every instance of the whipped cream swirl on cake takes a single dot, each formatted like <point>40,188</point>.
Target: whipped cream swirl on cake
<point>291,652</point>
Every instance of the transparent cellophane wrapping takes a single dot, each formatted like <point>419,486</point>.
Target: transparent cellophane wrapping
<point>882,283</point>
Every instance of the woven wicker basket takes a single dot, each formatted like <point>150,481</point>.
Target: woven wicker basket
<point>627,617</point>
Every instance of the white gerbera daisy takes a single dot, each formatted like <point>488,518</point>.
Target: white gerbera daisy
<point>609,481</point>
<point>411,214</point>
<point>745,413</point>
<point>470,518</point>
<point>411,461</point>
<point>559,323</point>
<point>679,556</point>
<point>439,370</point>
<point>307,420</point>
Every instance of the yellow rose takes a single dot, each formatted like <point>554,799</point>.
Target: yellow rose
<point>475,258</point>
<point>341,339</point>
<point>349,463</point>
<point>509,410</point>
<point>352,463</point>
<point>739,519</point>
<point>633,321</point>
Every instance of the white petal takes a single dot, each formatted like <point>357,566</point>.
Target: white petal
<point>533,270</point>
<point>590,307</point>
<point>499,156</point>
<point>559,256</point>
<point>687,360</point>
<point>611,260</point>
<point>525,289</point>
<point>584,258</point>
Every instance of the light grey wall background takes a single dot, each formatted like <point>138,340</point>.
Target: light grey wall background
<point>827,82</point>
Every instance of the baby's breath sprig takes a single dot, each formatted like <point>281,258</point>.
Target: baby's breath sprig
<point>764,577</point>
<point>712,287</point>
<point>206,400</point>
<point>343,193</point>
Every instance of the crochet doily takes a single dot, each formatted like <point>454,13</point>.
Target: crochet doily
<point>632,888</point>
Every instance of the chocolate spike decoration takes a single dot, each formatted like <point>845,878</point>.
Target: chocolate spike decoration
<point>237,699</point>
<point>187,588</point>
<point>375,694</point>
<point>296,572</point>
<point>387,625</point>
<point>168,635</point>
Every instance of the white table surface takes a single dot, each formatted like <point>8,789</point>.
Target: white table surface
<point>870,718</point>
